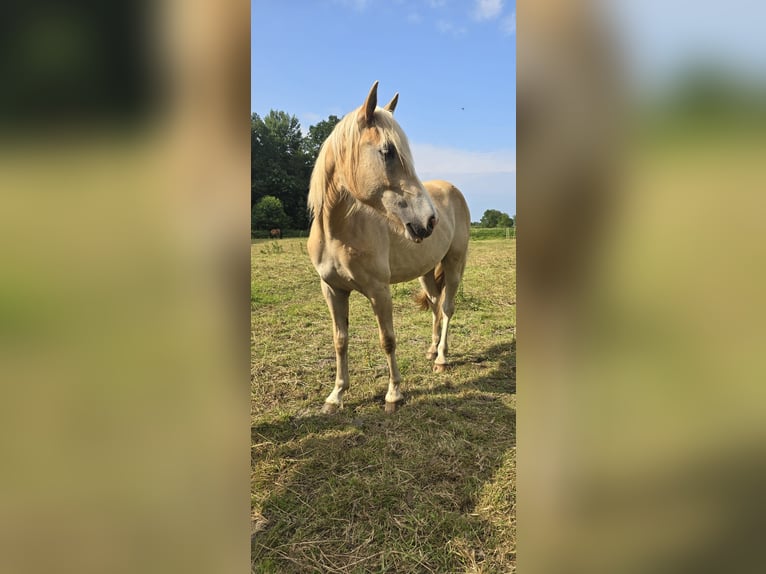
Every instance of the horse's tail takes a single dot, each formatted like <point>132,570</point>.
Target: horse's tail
<point>422,298</point>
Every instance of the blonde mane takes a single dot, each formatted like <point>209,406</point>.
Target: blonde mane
<point>336,165</point>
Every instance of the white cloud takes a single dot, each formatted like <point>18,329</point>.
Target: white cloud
<point>482,191</point>
<point>487,9</point>
<point>449,28</point>
<point>508,25</point>
<point>487,191</point>
<point>436,161</point>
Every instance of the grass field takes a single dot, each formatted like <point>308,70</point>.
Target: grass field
<point>429,489</point>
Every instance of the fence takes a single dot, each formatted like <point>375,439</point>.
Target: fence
<point>479,233</point>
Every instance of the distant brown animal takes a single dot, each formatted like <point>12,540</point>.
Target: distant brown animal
<point>276,233</point>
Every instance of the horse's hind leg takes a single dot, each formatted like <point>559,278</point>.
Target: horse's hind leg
<point>452,276</point>
<point>428,282</point>
<point>337,301</point>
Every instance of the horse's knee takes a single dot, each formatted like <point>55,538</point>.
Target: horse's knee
<point>388,342</point>
<point>341,342</point>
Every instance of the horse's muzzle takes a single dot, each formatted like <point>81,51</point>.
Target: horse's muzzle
<point>419,232</point>
<point>432,221</point>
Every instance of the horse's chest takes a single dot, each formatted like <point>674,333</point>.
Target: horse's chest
<point>349,268</point>
<point>337,272</point>
<point>334,274</point>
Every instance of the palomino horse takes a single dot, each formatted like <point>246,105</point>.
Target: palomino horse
<point>374,224</point>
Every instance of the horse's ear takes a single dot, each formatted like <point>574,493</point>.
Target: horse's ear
<point>371,103</point>
<point>391,106</point>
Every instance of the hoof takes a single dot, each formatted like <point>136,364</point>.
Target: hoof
<point>391,408</point>
<point>440,368</point>
<point>329,409</point>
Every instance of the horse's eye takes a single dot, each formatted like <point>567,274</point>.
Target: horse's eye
<point>388,153</point>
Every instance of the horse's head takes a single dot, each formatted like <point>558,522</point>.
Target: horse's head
<point>383,173</point>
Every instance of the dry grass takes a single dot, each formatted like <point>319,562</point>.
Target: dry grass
<point>429,489</point>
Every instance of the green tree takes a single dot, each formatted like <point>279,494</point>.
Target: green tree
<point>278,164</point>
<point>282,160</point>
<point>268,213</point>
<point>495,218</point>
<point>317,135</point>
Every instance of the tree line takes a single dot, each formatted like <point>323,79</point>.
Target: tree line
<point>281,160</point>
<point>495,218</point>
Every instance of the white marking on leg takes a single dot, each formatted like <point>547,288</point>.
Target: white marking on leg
<point>336,396</point>
<point>431,354</point>
<point>383,308</point>
<point>441,357</point>
<point>394,395</point>
<point>448,308</point>
<point>428,282</point>
<point>337,301</point>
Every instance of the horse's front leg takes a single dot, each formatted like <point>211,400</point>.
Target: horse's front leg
<point>380,299</point>
<point>337,301</point>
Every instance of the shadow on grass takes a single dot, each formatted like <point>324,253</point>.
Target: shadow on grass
<point>427,489</point>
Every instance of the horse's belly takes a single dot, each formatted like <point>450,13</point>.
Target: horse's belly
<point>409,260</point>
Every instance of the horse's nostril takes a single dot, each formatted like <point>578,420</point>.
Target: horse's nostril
<point>431,223</point>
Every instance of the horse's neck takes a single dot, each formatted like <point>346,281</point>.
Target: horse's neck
<point>356,229</point>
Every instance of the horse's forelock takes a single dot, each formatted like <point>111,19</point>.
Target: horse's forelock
<point>392,134</point>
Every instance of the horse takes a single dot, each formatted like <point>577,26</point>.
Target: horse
<point>374,223</point>
<point>275,233</point>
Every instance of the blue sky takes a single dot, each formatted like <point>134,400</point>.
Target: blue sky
<point>453,63</point>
